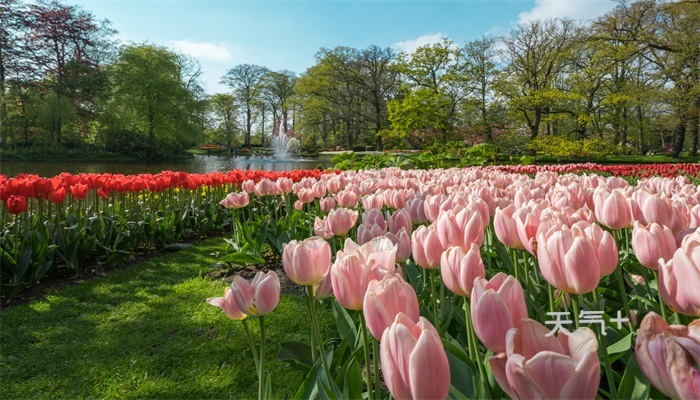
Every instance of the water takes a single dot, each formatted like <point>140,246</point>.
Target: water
<point>198,164</point>
<point>281,143</point>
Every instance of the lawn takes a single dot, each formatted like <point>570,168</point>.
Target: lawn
<point>143,331</point>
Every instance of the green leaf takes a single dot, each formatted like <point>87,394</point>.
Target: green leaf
<point>345,323</point>
<point>296,353</point>
<point>240,258</point>
<point>352,387</point>
<point>634,384</point>
<point>621,345</point>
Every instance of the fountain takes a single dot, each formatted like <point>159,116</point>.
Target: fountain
<point>281,143</point>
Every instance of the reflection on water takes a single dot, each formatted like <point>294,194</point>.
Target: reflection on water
<point>198,164</point>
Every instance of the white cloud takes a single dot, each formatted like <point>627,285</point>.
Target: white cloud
<point>410,46</point>
<point>573,9</point>
<point>203,50</point>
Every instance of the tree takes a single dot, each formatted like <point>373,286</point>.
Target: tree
<point>482,71</point>
<point>378,80</point>
<point>419,118</point>
<point>152,98</point>
<point>537,52</point>
<point>278,92</point>
<point>225,112</point>
<point>246,82</point>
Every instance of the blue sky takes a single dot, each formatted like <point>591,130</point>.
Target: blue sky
<point>286,34</point>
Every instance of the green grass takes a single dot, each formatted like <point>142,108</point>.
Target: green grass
<point>146,332</point>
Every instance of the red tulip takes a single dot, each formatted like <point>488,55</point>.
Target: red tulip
<point>414,363</point>
<point>669,356</point>
<point>57,196</point>
<point>16,204</point>
<point>79,191</point>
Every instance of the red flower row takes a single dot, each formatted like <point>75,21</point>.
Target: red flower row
<point>15,191</point>
<point>633,170</point>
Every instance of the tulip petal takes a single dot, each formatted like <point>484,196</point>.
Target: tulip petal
<point>429,368</point>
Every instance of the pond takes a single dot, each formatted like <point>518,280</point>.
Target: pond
<point>198,164</point>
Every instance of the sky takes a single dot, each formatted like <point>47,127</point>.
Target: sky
<point>287,34</point>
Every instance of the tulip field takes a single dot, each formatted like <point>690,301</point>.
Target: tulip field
<point>562,281</point>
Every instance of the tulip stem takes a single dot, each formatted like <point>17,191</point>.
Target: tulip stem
<point>574,303</point>
<point>251,342</point>
<point>662,306</point>
<point>623,296</point>
<point>434,299</point>
<point>602,346</point>
<point>309,299</point>
<point>375,361</point>
<point>515,264</point>
<point>473,344</point>
<point>261,371</point>
<point>319,340</point>
<point>363,326</point>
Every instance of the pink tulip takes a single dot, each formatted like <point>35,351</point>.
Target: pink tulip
<point>374,217</point>
<point>669,356</point>
<point>502,296</point>
<point>399,219</point>
<point>347,198</point>
<point>426,247</point>
<point>658,209</point>
<point>350,277</point>
<point>322,229</point>
<point>611,208</point>
<point>248,186</point>
<point>372,201</point>
<point>403,244</point>
<point>527,224</point>
<point>679,277</point>
<point>341,220</point>
<point>319,190</point>
<point>568,261</point>
<point>327,204</point>
<point>260,296</point>
<point>431,206</point>
<point>416,210</point>
<point>228,304</point>
<point>414,363</point>
<point>307,262</point>
<point>694,217</point>
<point>285,185</point>
<point>652,243</point>
<point>506,228</point>
<point>681,217</point>
<point>537,366</point>
<point>380,250</point>
<point>298,205</point>
<point>603,244</point>
<point>459,268</point>
<point>385,299</point>
<point>460,228</point>
<point>324,288</point>
<point>365,233</point>
<point>334,185</point>
<point>236,200</point>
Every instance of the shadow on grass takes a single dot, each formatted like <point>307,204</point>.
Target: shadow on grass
<point>145,331</point>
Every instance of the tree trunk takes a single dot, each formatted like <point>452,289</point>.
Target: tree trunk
<point>640,120</point>
<point>535,125</point>
<point>679,135</point>
<point>623,133</point>
<point>248,124</point>
<point>348,127</point>
<point>694,122</point>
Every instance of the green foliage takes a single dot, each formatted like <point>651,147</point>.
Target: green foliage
<point>144,331</point>
<point>563,148</point>
<point>152,100</point>
<point>419,119</point>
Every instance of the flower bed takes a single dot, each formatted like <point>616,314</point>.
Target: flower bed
<point>482,282</point>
